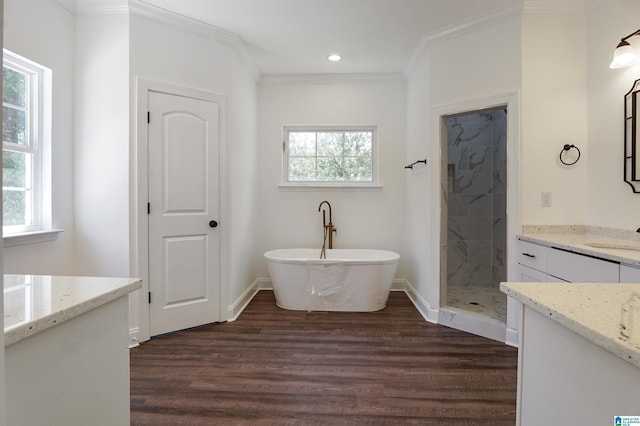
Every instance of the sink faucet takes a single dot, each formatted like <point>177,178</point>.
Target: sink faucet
<point>329,229</point>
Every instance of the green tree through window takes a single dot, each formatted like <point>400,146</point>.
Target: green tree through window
<point>20,144</point>
<point>329,155</point>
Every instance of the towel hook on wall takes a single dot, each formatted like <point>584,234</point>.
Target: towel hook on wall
<point>566,148</point>
<point>410,166</point>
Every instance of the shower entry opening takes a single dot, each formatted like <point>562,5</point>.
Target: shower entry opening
<point>474,218</point>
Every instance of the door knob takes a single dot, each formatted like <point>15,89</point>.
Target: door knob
<point>213,224</point>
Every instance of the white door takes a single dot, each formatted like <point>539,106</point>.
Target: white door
<point>184,140</point>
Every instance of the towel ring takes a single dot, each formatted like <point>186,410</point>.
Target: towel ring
<point>566,148</point>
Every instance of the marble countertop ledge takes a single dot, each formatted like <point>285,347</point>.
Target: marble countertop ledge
<point>577,237</point>
<point>601,313</point>
<point>33,303</point>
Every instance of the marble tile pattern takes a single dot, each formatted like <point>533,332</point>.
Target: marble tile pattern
<point>606,314</point>
<point>33,303</point>
<point>488,301</point>
<point>476,199</point>
<point>578,238</point>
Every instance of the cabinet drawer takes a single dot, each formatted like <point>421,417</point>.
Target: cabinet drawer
<point>574,267</point>
<point>532,255</point>
<point>526,275</point>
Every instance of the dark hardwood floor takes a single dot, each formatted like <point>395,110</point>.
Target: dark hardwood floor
<point>279,367</point>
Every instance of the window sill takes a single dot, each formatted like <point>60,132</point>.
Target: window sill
<point>31,237</point>
<point>314,187</point>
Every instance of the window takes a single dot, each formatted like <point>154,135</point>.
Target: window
<point>330,155</point>
<point>25,138</point>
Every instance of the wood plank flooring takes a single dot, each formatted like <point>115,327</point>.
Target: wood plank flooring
<point>277,367</point>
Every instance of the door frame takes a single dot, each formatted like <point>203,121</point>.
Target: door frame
<point>139,330</point>
<point>511,101</point>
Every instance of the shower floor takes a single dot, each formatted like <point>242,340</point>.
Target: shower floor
<point>487,301</point>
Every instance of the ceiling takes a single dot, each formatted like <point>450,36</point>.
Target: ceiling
<point>296,36</point>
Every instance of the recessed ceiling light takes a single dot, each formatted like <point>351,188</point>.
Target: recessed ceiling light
<point>334,57</point>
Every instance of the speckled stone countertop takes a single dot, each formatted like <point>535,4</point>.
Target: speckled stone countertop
<point>606,314</point>
<point>581,239</point>
<point>33,303</point>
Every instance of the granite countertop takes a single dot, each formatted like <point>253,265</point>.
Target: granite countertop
<point>33,303</point>
<point>581,239</point>
<point>606,314</point>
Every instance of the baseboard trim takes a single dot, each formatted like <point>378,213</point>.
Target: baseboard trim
<point>428,312</point>
<point>234,311</point>
<point>512,338</point>
<point>472,323</point>
<point>134,339</point>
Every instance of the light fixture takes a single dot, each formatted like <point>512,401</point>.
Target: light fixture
<point>625,54</point>
<point>334,57</point>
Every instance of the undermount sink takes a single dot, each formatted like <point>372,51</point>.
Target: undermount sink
<point>615,246</point>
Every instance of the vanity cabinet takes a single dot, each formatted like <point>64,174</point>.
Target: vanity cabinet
<point>563,375</point>
<point>553,265</point>
<point>66,350</point>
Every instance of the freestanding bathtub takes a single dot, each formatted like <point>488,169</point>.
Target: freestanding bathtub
<point>347,280</point>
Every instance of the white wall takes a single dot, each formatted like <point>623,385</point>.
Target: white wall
<point>101,150</point>
<point>554,113</point>
<point>168,54</point>
<point>422,184</point>
<point>243,178</point>
<point>610,202</point>
<point>466,68</point>
<point>364,218</point>
<point>43,31</point>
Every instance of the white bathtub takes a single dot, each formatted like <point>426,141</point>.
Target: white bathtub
<point>347,280</point>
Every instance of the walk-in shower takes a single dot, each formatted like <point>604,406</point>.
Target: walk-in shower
<point>474,212</point>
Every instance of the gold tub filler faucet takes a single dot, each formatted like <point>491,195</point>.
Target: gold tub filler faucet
<point>329,229</point>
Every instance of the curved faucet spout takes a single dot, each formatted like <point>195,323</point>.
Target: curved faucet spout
<point>324,220</point>
<point>329,229</point>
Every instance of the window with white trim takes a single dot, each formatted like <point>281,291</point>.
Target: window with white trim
<point>330,155</point>
<point>26,91</point>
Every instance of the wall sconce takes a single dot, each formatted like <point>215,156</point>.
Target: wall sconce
<point>625,54</point>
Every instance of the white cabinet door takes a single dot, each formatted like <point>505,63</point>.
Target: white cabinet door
<point>526,275</point>
<point>565,376</point>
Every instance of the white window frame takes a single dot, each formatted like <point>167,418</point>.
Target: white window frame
<point>374,183</point>
<point>39,145</point>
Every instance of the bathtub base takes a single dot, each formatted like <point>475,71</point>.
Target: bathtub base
<point>347,281</point>
<point>330,306</point>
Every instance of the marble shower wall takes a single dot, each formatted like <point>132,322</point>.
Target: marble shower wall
<point>476,199</point>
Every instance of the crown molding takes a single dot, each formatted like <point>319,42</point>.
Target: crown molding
<point>166,17</point>
<point>354,78</point>
<point>464,27</point>
<point>94,7</point>
<point>194,26</point>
